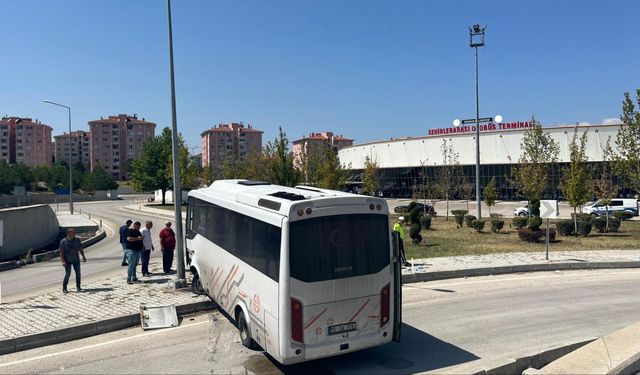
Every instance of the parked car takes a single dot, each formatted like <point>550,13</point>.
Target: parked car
<point>521,211</point>
<point>405,208</point>
<point>617,204</point>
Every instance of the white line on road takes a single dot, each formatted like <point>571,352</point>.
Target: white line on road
<point>497,280</point>
<point>100,344</point>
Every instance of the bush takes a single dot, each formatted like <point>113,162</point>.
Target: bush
<point>534,223</point>
<point>426,222</point>
<point>496,216</point>
<point>520,222</point>
<point>526,234</point>
<point>478,225</point>
<point>623,215</point>
<point>414,215</point>
<point>414,233</point>
<point>459,215</point>
<point>535,207</point>
<point>565,227</point>
<point>600,223</point>
<point>552,234</point>
<point>497,225</point>
<point>614,224</point>
<point>411,206</point>
<point>469,220</point>
<point>584,228</point>
<point>583,217</point>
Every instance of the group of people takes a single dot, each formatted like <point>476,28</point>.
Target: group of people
<point>137,246</point>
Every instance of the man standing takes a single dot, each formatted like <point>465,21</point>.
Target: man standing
<point>134,248</point>
<point>123,241</point>
<point>167,245</point>
<point>70,251</point>
<point>147,244</point>
<point>398,227</point>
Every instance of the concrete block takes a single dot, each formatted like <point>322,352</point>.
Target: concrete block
<point>195,307</point>
<point>4,266</point>
<point>507,368</point>
<point>7,346</point>
<point>523,363</point>
<point>115,324</point>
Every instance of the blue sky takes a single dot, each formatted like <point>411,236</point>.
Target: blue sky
<point>367,69</point>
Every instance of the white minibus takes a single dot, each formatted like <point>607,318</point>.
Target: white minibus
<point>305,273</point>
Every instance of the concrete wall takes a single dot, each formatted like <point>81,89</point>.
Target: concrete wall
<point>25,228</point>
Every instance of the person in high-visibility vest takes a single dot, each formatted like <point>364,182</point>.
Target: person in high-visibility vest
<point>398,227</point>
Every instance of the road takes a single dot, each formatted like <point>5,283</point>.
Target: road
<point>103,259</point>
<point>446,323</point>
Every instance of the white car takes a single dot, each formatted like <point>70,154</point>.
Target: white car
<point>521,211</point>
<point>617,204</point>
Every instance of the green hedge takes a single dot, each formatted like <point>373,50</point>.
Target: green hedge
<point>583,217</point>
<point>459,215</point>
<point>469,220</point>
<point>426,222</point>
<point>497,225</point>
<point>623,215</point>
<point>478,225</point>
<point>520,222</point>
<point>526,234</point>
<point>534,223</point>
<point>584,228</point>
<point>565,227</point>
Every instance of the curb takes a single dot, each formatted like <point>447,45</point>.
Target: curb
<point>55,253</point>
<point>89,329</point>
<point>518,365</point>
<point>5,266</point>
<point>487,271</point>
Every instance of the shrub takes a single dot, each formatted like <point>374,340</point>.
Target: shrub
<point>623,215</point>
<point>520,222</point>
<point>414,230</point>
<point>552,234</point>
<point>414,215</point>
<point>600,223</point>
<point>534,223</point>
<point>426,222</point>
<point>478,225</point>
<point>565,227</point>
<point>411,206</point>
<point>459,215</point>
<point>614,224</point>
<point>497,225</point>
<point>583,217</point>
<point>584,228</point>
<point>469,220</point>
<point>496,216</point>
<point>526,234</point>
<point>535,207</point>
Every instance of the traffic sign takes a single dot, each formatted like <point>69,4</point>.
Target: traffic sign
<point>548,209</point>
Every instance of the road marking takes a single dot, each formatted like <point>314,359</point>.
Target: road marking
<point>100,344</point>
<point>569,274</point>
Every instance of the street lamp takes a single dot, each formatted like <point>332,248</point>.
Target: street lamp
<point>476,39</point>
<point>177,192</point>
<point>70,161</point>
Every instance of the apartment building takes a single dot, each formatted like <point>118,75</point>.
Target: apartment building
<point>7,140</point>
<point>316,142</point>
<point>229,141</point>
<point>118,140</point>
<point>29,141</point>
<point>80,147</point>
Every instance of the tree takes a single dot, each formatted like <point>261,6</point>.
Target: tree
<point>490,193</point>
<point>539,153</point>
<point>449,172</point>
<point>370,178</point>
<point>152,170</point>
<point>466,189</point>
<point>281,161</point>
<point>628,143</point>
<point>576,176</point>
<point>603,187</point>
<point>99,179</point>
<point>332,174</point>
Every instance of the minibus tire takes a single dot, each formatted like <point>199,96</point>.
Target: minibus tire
<point>245,334</point>
<point>196,285</point>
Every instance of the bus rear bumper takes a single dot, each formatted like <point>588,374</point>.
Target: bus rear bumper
<point>317,351</point>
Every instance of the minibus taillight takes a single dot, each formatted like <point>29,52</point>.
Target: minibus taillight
<point>297,332</point>
<point>385,303</point>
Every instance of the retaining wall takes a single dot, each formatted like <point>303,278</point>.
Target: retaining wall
<point>24,228</point>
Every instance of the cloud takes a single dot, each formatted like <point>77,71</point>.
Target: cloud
<point>584,123</point>
<point>611,121</point>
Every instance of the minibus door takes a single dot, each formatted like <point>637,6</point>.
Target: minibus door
<point>397,287</point>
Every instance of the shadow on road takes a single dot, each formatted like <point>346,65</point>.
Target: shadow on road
<point>417,351</point>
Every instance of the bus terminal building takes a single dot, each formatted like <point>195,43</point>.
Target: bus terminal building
<point>406,164</point>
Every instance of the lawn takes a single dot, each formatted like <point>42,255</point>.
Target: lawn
<point>444,239</point>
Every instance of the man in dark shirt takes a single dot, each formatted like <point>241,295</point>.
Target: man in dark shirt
<point>123,241</point>
<point>70,251</point>
<point>134,248</point>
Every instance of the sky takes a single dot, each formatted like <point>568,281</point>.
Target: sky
<point>367,69</point>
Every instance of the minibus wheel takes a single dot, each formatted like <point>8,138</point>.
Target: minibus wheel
<point>196,284</point>
<point>245,334</point>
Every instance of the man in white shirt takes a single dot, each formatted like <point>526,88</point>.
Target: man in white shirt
<point>147,244</point>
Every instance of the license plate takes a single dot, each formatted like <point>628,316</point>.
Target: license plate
<point>341,328</point>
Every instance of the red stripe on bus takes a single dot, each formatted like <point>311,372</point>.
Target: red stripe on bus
<point>359,310</point>
<point>230,282</point>
<point>314,319</point>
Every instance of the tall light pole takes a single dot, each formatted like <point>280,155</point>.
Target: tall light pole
<point>476,39</point>
<point>70,160</point>
<point>177,192</point>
